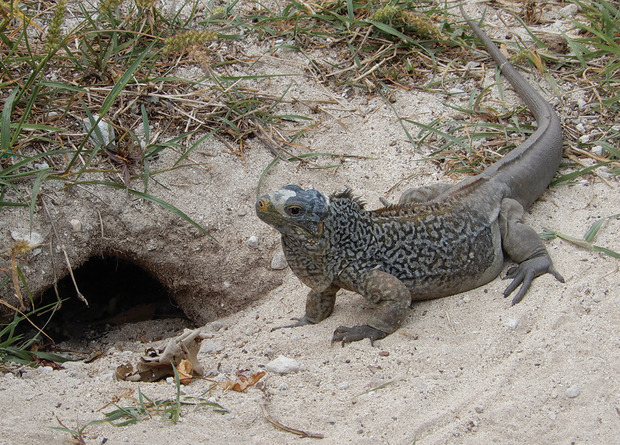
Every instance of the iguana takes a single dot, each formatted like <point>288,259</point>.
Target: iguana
<point>437,241</point>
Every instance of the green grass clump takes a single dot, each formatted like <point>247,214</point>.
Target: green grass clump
<point>14,347</point>
<point>598,47</point>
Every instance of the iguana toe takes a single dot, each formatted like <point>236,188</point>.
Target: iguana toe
<point>356,333</point>
<point>524,274</point>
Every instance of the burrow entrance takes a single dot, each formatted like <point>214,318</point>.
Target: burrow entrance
<point>118,291</point>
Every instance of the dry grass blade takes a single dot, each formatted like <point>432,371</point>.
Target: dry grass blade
<point>288,429</point>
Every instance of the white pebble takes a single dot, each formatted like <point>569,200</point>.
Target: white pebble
<point>581,103</point>
<point>597,150</point>
<point>210,347</point>
<point>343,385</point>
<point>573,392</point>
<point>26,235</point>
<point>511,324</point>
<point>76,225</point>
<point>107,376</point>
<point>278,262</point>
<point>253,242</point>
<point>283,365</point>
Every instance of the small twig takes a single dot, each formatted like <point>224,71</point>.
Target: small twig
<point>15,278</point>
<point>60,244</point>
<point>381,386</point>
<point>450,323</point>
<point>286,428</point>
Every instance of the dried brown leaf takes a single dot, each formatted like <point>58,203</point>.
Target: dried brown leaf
<point>244,383</point>
<point>185,371</point>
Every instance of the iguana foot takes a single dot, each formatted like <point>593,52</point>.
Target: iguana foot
<point>357,333</point>
<point>524,274</point>
<point>299,322</point>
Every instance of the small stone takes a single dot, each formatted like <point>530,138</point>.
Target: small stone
<point>105,133</point>
<point>210,347</point>
<point>552,415</point>
<point>584,139</point>
<point>466,299</point>
<point>283,365</point>
<point>573,392</point>
<point>76,225</point>
<point>597,150</point>
<point>253,242</point>
<point>25,235</point>
<point>581,103</point>
<point>243,210</point>
<point>278,262</point>
<point>343,385</point>
<point>511,324</point>
<point>41,165</point>
<point>479,409</point>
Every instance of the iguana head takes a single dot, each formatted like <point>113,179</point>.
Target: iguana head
<point>294,211</point>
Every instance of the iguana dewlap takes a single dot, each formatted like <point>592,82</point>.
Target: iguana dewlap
<point>438,241</point>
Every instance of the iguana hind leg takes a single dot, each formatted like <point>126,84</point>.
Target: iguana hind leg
<point>523,246</point>
<point>393,300</point>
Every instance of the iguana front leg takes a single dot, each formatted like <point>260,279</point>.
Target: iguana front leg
<point>393,299</point>
<point>319,306</point>
<point>523,246</point>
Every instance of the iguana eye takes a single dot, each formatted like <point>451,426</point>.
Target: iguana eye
<point>295,210</point>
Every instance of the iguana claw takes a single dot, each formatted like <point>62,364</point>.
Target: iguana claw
<point>524,274</point>
<point>357,333</point>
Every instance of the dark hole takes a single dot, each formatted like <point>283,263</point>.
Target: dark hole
<point>118,292</point>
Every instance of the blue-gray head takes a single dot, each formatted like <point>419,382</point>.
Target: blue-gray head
<point>294,211</point>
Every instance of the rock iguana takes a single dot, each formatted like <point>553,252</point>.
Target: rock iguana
<point>437,241</point>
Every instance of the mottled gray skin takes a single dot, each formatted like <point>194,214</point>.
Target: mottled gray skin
<point>438,241</point>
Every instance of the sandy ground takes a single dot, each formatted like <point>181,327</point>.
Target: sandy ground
<point>466,369</point>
